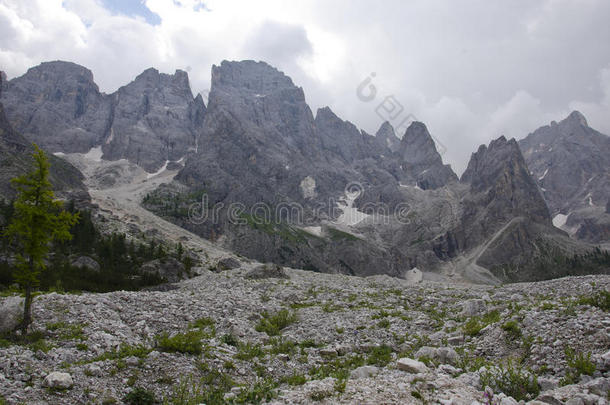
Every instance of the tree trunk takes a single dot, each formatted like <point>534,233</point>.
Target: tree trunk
<point>27,310</point>
<point>27,304</point>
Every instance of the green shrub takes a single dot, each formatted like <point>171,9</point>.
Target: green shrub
<point>139,396</point>
<point>384,323</point>
<point>512,380</point>
<point>600,300</point>
<point>272,324</point>
<point>380,356</point>
<point>249,350</point>
<point>230,340</point>
<point>189,342</point>
<point>472,327</point>
<point>578,364</point>
<point>512,329</point>
<point>294,379</point>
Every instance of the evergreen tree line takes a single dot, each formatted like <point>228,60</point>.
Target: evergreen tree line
<point>119,259</point>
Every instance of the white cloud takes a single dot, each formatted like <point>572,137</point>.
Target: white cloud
<point>471,70</point>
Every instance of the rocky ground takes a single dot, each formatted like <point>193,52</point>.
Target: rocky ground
<point>305,337</point>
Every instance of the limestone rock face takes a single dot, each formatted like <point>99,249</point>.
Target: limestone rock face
<point>570,161</point>
<point>152,121</point>
<point>15,160</point>
<point>58,106</point>
<point>505,219</point>
<point>418,153</point>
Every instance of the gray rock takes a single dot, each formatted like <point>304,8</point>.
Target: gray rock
<point>11,313</point>
<point>364,372</point>
<point>268,270</point>
<point>93,369</point>
<point>58,380</point>
<point>86,262</point>
<point>411,366</point>
<point>444,355</point>
<point>599,386</point>
<point>549,399</point>
<point>414,276</point>
<point>169,269</point>
<point>547,383</point>
<point>474,307</point>
<point>228,263</point>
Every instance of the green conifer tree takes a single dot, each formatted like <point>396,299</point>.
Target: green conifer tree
<point>38,219</point>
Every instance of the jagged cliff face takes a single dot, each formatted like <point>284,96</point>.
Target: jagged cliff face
<point>571,163</point>
<point>150,121</point>
<point>15,160</point>
<point>258,142</point>
<point>58,106</point>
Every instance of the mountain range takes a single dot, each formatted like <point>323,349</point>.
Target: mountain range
<point>276,182</point>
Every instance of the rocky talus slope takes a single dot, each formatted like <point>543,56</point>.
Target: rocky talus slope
<point>316,338</point>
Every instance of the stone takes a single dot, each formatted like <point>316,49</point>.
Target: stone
<point>58,380</point>
<point>86,262</point>
<point>599,386</point>
<point>474,307</point>
<point>328,352</point>
<point>364,372</point>
<point>547,383</point>
<point>93,369</point>
<point>605,361</point>
<point>268,270</point>
<point>168,268</point>
<point>414,276</point>
<point>411,366</point>
<point>549,399</point>
<point>11,313</point>
<point>228,263</point>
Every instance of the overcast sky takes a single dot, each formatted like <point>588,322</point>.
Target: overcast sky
<point>471,70</point>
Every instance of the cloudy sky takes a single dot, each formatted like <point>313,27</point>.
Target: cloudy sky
<point>472,70</point>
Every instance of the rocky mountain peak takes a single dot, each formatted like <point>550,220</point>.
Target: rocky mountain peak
<point>417,145</point>
<point>256,77</point>
<point>500,171</point>
<point>386,137</point>
<point>577,118</point>
<point>419,157</point>
<point>488,161</point>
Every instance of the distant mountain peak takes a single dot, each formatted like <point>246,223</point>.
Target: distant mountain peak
<point>258,77</point>
<point>577,117</point>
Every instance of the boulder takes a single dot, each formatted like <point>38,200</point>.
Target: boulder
<point>444,355</point>
<point>364,372</point>
<point>170,269</point>
<point>228,263</point>
<point>411,366</point>
<point>474,307</point>
<point>58,380</point>
<point>86,262</point>
<point>414,276</point>
<point>11,313</point>
<point>268,270</point>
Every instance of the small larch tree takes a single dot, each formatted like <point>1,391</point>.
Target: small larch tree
<point>38,220</point>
